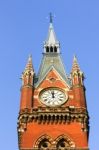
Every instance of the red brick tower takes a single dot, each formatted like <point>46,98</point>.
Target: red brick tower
<point>53,113</point>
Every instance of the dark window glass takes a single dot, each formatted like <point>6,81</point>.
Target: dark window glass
<point>55,49</point>
<point>44,144</point>
<point>51,49</point>
<point>47,49</point>
<point>62,144</point>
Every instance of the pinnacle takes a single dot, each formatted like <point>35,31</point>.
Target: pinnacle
<point>75,58</point>
<point>75,66</point>
<point>29,65</point>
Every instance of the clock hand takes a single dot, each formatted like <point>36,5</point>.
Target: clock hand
<point>53,94</point>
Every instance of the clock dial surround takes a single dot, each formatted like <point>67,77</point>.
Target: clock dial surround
<point>53,97</point>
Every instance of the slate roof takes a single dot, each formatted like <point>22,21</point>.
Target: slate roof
<point>51,61</point>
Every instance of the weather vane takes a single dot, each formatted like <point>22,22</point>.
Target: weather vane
<point>51,18</point>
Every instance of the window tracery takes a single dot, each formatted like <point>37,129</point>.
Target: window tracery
<point>63,142</point>
<point>60,143</point>
<point>43,143</point>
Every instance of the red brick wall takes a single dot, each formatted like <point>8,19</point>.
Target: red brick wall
<point>72,131</point>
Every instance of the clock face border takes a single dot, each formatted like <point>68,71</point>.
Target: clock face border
<point>53,88</point>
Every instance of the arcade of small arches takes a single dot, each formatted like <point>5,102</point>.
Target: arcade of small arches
<point>62,142</point>
<point>52,49</point>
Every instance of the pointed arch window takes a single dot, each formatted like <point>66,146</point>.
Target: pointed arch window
<point>55,49</point>
<point>47,49</point>
<point>51,49</point>
<point>44,144</point>
<point>62,144</point>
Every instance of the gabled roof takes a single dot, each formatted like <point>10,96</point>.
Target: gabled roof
<point>49,61</point>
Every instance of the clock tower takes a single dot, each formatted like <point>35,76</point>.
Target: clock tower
<point>53,113</point>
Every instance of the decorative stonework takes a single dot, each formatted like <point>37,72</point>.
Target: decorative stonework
<point>60,143</point>
<point>44,139</point>
<point>55,149</point>
<point>19,139</point>
<point>52,79</point>
<point>63,115</point>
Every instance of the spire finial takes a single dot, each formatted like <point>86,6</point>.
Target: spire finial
<point>75,59</point>
<point>75,64</point>
<point>30,58</point>
<point>29,65</point>
<point>51,18</point>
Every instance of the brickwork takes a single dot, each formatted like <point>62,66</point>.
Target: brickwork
<point>62,127</point>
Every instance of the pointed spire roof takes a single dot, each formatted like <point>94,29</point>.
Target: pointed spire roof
<point>51,38</point>
<point>51,58</point>
<point>75,66</point>
<point>29,65</point>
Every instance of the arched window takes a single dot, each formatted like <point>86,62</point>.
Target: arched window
<point>62,144</point>
<point>44,144</point>
<point>47,49</point>
<point>55,49</point>
<point>51,49</point>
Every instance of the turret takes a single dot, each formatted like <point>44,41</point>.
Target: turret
<point>77,77</point>
<point>27,85</point>
<point>76,73</point>
<point>27,75</point>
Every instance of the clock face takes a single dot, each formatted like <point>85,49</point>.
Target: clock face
<point>53,97</point>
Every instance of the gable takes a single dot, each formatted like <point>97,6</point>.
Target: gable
<point>52,79</point>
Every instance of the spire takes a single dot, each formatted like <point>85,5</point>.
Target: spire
<point>29,65</point>
<point>75,66</point>
<point>28,74</point>
<point>51,39</point>
<point>51,44</point>
<point>76,74</point>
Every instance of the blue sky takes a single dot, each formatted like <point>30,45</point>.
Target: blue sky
<point>23,29</point>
